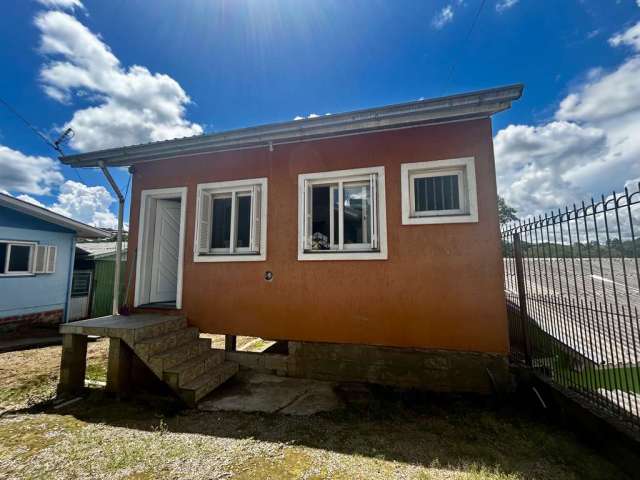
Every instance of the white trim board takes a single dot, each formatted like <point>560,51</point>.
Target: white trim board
<point>143,233</point>
<point>466,163</point>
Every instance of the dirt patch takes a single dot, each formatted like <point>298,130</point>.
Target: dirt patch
<point>382,435</point>
<point>28,377</point>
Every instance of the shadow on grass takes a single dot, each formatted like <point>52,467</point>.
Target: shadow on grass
<point>460,433</point>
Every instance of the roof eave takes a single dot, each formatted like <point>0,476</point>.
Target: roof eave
<point>81,229</point>
<point>461,107</point>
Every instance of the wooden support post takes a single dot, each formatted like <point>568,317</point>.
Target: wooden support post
<point>119,367</point>
<point>73,364</point>
<point>230,343</point>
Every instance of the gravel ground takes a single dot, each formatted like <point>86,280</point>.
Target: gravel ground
<point>380,435</point>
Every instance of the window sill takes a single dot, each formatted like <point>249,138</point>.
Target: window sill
<point>229,258</point>
<point>440,219</point>
<point>26,274</point>
<point>346,255</point>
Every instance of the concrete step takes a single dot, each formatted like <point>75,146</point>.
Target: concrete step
<point>150,346</point>
<point>180,375</point>
<point>171,324</point>
<point>200,386</point>
<point>175,356</point>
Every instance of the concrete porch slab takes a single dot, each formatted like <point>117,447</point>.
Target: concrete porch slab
<point>115,325</point>
<point>259,392</point>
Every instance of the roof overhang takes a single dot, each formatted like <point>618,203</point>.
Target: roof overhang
<point>466,106</point>
<point>82,229</point>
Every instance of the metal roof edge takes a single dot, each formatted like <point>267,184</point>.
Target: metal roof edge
<point>81,229</point>
<point>457,107</point>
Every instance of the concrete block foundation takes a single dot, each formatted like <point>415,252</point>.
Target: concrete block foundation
<point>433,370</point>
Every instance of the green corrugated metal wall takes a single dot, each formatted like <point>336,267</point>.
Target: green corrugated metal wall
<point>101,304</point>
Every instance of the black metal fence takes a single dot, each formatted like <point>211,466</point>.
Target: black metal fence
<point>572,283</point>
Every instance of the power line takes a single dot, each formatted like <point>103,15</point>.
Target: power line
<point>57,145</point>
<point>29,125</point>
<point>466,41</point>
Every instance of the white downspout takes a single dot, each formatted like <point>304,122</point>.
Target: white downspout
<point>116,280</point>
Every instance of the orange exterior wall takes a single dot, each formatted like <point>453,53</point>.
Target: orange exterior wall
<point>441,287</point>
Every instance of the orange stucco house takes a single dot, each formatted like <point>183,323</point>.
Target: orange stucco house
<point>367,240</point>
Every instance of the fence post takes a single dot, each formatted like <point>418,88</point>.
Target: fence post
<point>524,316</point>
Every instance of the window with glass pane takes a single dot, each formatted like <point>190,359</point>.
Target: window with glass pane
<point>231,222</point>
<point>340,215</point>
<point>19,258</point>
<point>221,223</point>
<point>243,221</point>
<point>435,194</point>
<point>3,256</point>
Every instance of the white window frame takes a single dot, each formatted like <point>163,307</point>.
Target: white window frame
<point>257,251</point>
<point>378,205</point>
<point>24,273</point>
<point>463,168</point>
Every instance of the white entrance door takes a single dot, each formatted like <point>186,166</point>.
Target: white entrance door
<point>166,245</point>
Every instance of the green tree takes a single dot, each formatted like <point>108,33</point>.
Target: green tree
<point>506,213</point>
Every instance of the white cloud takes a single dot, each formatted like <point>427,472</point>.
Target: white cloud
<point>591,148</point>
<point>443,17</point>
<point>62,4</point>
<point>531,162</point>
<point>27,174</point>
<point>132,105</point>
<point>86,204</point>
<point>28,198</point>
<point>311,115</point>
<point>503,5</point>
<point>630,37</point>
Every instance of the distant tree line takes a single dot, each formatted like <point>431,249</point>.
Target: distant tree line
<point>613,248</point>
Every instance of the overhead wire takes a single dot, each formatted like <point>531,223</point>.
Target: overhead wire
<point>455,62</point>
<point>55,145</point>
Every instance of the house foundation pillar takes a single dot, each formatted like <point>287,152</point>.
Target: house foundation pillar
<point>73,364</point>
<point>119,367</point>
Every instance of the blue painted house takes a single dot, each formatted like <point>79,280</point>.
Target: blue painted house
<point>37,248</point>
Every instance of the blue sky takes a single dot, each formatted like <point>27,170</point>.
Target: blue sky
<point>129,71</point>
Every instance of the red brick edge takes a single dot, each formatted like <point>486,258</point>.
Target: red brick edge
<point>50,317</point>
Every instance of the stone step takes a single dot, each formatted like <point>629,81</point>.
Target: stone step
<point>197,388</point>
<point>150,346</point>
<point>163,361</point>
<point>171,324</point>
<point>180,375</point>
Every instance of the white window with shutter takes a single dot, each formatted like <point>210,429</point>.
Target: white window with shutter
<point>342,215</point>
<point>231,221</point>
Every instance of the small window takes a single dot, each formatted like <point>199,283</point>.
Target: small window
<point>442,191</point>
<point>342,215</point>
<point>232,221</point>
<point>16,258</point>
<point>81,284</point>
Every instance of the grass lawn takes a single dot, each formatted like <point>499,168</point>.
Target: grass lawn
<point>387,436</point>
<point>622,378</point>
